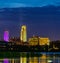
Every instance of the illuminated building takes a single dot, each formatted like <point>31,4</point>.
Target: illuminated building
<point>6,36</point>
<point>44,41</point>
<point>33,40</point>
<point>23,36</point>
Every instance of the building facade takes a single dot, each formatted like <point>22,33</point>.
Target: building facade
<point>33,41</point>
<point>44,41</point>
<point>6,35</point>
<point>23,34</point>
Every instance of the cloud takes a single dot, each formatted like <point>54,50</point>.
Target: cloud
<point>12,5</point>
<point>26,3</point>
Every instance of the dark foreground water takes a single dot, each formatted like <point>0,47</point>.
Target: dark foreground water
<point>36,57</point>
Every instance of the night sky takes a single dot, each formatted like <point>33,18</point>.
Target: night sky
<point>41,17</point>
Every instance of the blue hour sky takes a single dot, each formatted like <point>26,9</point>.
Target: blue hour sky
<point>24,3</point>
<point>44,21</point>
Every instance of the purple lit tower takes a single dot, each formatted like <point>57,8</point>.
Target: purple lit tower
<point>6,35</point>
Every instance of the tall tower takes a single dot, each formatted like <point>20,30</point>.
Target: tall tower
<point>6,35</point>
<point>23,36</point>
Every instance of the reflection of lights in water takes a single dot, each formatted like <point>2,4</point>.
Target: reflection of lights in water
<point>43,59</point>
<point>43,56</point>
<point>6,61</point>
<point>12,60</point>
<point>23,60</point>
<point>35,59</point>
<point>31,59</point>
<point>49,61</point>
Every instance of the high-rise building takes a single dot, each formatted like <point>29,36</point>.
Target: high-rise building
<point>23,35</point>
<point>6,35</point>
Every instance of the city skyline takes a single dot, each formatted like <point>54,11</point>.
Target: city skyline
<point>23,35</point>
<point>40,21</point>
<point>29,31</point>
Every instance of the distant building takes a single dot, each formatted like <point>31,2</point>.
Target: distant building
<point>44,41</point>
<point>6,35</point>
<point>33,40</point>
<point>23,35</point>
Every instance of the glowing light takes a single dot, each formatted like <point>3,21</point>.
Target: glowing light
<point>6,36</point>
<point>23,60</point>
<point>6,61</point>
<point>44,41</point>
<point>23,34</point>
<point>49,61</point>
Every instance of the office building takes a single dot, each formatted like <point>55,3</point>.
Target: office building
<point>33,41</point>
<point>6,35</point>
<point>44,41</point>
<point>23,35</point>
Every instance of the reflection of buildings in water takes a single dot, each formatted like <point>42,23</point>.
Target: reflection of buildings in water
<point>43,59</point>
<point>23,59</point>
<point>6,61</point>
<point>12,60</point>
<point>31,59</point>
<point>1,61</point>
<point>17,60</point>
<point>36,60</point>
<point>55,59</point>
<point>20,59</point>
